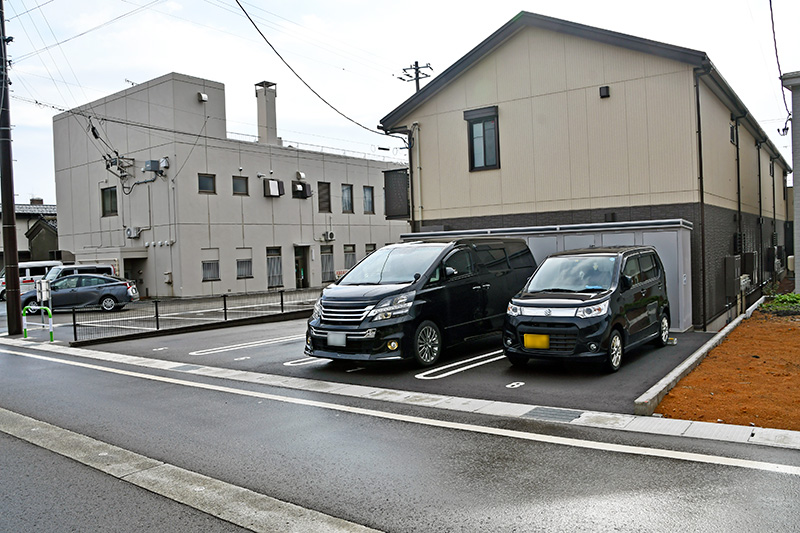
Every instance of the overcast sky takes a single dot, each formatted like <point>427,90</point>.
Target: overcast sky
<point>66,53</point>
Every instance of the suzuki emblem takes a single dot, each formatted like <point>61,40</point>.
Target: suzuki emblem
<point>548,312</point>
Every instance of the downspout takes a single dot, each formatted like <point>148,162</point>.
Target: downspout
<point>738,184</point>
<point>416,192</point>
<point>760,217</point>
<point>697,74</point>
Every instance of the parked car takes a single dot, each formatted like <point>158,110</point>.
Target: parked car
<point>591,303</point>
<point>410,300</point>
<point>109,293</point>
<point>29,273</point>
<point>67,270</point>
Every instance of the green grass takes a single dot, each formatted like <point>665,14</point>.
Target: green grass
<point>784,304</point>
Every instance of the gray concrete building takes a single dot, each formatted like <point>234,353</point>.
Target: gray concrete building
<point>149,179</point>
<point>549,122</point>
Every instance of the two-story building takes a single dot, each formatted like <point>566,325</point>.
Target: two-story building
<point>148,178</point>
<point>548,122</point>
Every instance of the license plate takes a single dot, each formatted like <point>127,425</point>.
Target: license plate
<point>337,339</point>
<point>537,342</point>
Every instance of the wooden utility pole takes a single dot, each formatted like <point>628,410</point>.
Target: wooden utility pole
<point>10,256</point>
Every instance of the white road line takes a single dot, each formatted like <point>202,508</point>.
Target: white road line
<point>247,345</point>
<point>444,424</point>
<point>304,361</point>
<point>434,372</point>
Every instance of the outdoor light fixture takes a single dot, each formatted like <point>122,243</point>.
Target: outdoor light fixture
<point>605,91</point>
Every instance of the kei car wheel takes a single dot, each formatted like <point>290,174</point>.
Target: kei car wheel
<point>108,303</point>
<point>663,332</point>
<point>427,344</point>
<point>615,349</point>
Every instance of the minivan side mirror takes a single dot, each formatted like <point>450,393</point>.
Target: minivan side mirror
<point>450,271</point>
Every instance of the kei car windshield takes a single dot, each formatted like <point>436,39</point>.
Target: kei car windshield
<point>574,274</point>
<point>392,265</point>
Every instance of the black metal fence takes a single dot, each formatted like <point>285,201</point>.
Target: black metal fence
<point>164,314</point>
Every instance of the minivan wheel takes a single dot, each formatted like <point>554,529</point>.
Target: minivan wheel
<point>615,349</point>
<point>427,344</point>
<point>108,303</point>
<point>663,332</point>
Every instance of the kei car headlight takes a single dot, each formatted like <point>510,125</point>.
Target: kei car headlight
<point>593,310</point>
<point>317,312</point>
<point>513,310</point>
<point>392,306</point>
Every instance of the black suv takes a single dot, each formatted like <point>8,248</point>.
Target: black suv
<point>409,300</point>
<point>590,303</point>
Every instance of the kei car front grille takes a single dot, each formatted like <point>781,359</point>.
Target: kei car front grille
<point>344,313</point>
<point>563,338</point>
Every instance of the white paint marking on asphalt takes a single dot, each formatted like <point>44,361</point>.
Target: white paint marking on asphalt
<point>355,369</point>
<point>515,385</point>
<point>160,349</point>
<point>304,361</point>
<point>244,345</point>
<point>444,424</point>
<point>434,372</point>
<point>241,358</point>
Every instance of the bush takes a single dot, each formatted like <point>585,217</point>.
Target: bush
<point>784,304</point>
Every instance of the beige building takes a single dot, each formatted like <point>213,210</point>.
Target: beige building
<point>549,122</point>
<point>148,178</point>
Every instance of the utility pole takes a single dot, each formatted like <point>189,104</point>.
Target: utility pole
<point>10,256</point>
<point>417,74</point>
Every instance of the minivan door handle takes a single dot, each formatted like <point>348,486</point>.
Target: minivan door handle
<point>477,288</point>
<point>486,285</point>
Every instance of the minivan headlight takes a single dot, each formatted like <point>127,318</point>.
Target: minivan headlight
<point>393,306</point>
<point>317,312</point>
<point>593,310</point>
<point>513,310</point>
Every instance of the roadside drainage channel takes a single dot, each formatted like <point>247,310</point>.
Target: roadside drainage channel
<point>645,405</point>
<point>616,421</point>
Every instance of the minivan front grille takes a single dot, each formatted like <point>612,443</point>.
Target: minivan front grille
<point>344,313</point>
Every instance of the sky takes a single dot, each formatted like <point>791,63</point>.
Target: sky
<point>66,53</point>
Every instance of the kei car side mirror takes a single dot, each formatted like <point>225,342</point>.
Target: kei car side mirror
<point>627,282</point>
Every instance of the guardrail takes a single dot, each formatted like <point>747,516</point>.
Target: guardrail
<point>147,316</point>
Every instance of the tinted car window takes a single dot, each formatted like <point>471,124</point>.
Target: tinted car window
<point>649,267</point>
<point>92,281</point>
<point>65,283</point>
<point>520,256</point>
<point>460,262</point>
<point>632,270</point>
<point>493,258</point>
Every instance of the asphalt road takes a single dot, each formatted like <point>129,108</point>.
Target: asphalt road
<point>387,466</point>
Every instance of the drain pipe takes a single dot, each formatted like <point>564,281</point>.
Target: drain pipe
<point>760,217</point>
<point>701,184</point>
<point>736,120</point>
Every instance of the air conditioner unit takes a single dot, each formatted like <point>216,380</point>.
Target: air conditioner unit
<point>133,232</point>
<point>328,236</point>
<point>273,188</point>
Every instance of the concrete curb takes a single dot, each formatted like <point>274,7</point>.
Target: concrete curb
<point>645,405</point>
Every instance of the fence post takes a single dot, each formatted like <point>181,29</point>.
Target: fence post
<point>155,303</point>
<point>225,307</point>
<point>281,300</point>
<point>74,326</point>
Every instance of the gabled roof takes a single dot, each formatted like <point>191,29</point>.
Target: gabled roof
<point>33,209</point>
<point>696,58</point>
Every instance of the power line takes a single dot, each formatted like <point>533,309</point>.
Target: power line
<point>304,81</point>
<point>29,10</point>
<point>785,129</point>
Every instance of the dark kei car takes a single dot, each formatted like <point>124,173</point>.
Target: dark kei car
<point>108,293</point>
<point>410,300</point>
<point>591,303</point>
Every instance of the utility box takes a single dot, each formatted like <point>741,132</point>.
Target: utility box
<point>750,266</point>
<point>301,189</point>
<point>733,274</point>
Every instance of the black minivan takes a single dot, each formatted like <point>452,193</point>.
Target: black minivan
<point>410,300</point>
<point>589,303</point>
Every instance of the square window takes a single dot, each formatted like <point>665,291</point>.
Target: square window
<point>324,196</point>
<point>347,198</point>
<point>109,199</point>
<point>244,268</point>
<point>210,270</point>
<point>240,185</point>
<point>206,183</point>
<point>369,200</point>
<point>369,248</point>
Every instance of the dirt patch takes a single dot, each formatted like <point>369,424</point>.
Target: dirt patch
<point>751,378</point>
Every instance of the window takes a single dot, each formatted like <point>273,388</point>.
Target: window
<point>326,257</point>
<point>274,268</point>
<point>347,198</point>
<point>647,263</point>
<point>369,200</point>
<point>349,256</point>
<point>244,268</point>
<point>92,281</point>
<point>324,196</point>
<point>369,248</point>
<point>240,185</point>
<point>206,183</point>
<point>459,264</point>
<point>493,258</point>
<point>210,270</point>
<point>632,270</point>
<point>484,142</point>
<point>109,201</point>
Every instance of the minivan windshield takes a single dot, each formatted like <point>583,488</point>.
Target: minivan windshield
<point>393,264</point>
<point>52,273</point>
<point>585,273</point>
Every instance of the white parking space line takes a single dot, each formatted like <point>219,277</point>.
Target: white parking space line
<point>445,424</point>
<point>305,361</point>
<point>244,345</point>
<point>483,359</point>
